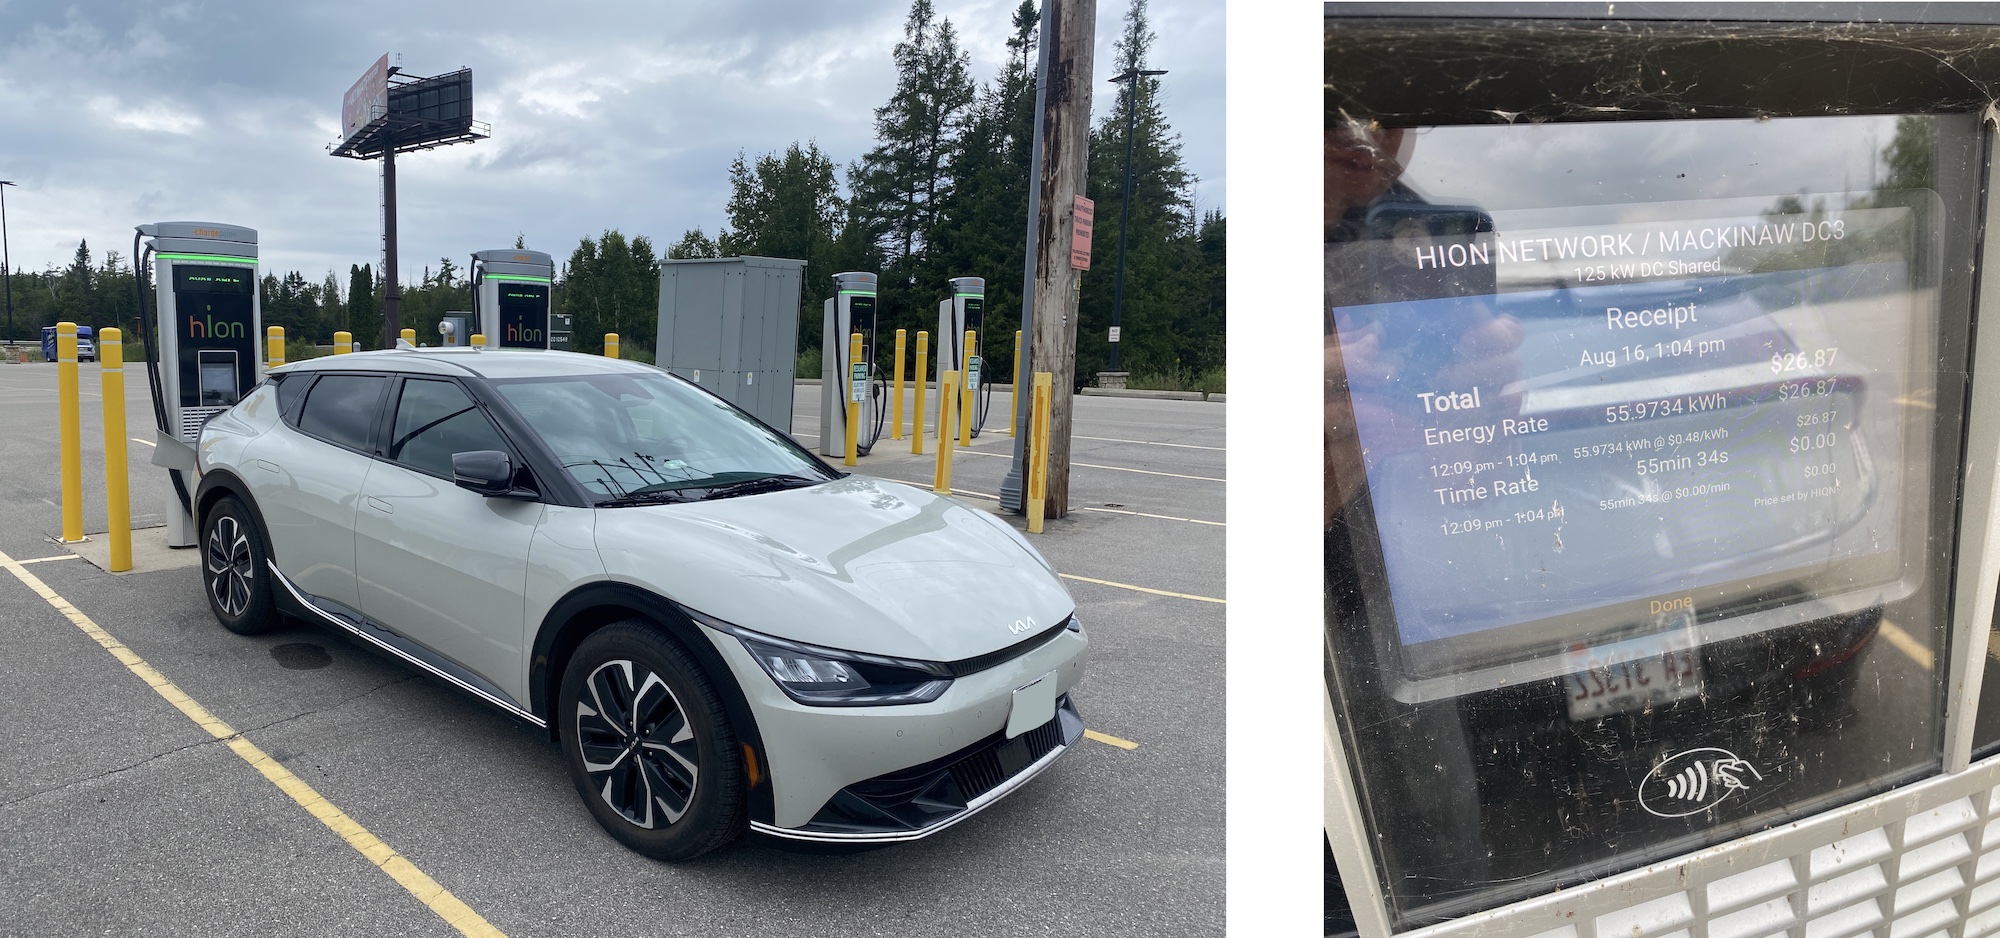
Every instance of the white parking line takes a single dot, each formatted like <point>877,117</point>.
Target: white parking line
<point>1106,439</point>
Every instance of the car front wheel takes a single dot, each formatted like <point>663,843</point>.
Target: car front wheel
<point>648,744</point>
<point>234,570</point>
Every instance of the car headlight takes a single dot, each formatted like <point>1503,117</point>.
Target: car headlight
<point>829,677</point>
<point>825,677</point>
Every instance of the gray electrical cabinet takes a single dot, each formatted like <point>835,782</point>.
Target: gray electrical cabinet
<point>731,325</point>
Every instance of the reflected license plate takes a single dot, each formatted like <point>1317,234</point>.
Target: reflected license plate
<point>1631,676</point>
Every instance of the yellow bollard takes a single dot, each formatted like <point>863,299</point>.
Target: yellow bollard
<point>69,411</point>
<point>274,346</point>
<point>965,389</point>
<point>896,401</point>
<point>611,345</point>
<point>343,343</point>
<point>857,373</point>
<point>117,473</point>
<point>947,386</point>
<point>923,387</point>
<point>410,336</point>
<point>1038,459</point>
<point>1014,397</point>
<point>478,340</point>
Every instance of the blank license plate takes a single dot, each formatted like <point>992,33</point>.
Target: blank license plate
<point>1034,705</point>
<point>1616,684</point>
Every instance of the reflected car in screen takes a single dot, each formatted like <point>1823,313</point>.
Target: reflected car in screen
<point>722,632</point>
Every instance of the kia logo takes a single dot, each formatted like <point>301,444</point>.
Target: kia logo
<point>1694,781</point>
<point>1020,625</point>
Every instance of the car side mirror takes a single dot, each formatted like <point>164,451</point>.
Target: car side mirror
<point>488,472</point>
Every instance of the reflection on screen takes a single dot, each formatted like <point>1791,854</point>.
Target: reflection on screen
<point>1599,424</point>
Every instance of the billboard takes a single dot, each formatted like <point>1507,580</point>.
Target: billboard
<point>367,101</point>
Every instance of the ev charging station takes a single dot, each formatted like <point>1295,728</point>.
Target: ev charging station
<point>201,342</point>
<point>510,297</point>
<point>965,311</point>
<point>851,309</point>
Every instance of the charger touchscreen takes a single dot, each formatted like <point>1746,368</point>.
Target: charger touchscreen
<point>1579,424</point>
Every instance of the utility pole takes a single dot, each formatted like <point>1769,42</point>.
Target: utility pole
<point>7,257</point>
<point>1048,313</point>
<point>1132,75</point>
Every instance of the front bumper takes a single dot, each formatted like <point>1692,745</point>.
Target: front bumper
<point>917,802</point>
<point>814,754</point>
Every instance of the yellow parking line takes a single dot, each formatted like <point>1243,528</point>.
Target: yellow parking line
<point>440,900</point>
<point>1908,645</point>
<point>1110,740</point>
<point>1142,589</point>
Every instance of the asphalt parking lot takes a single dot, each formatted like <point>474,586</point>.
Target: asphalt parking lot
<point>119,814</point>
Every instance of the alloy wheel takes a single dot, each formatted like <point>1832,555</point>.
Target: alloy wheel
<point>638,746</point>
<point>230,566</point>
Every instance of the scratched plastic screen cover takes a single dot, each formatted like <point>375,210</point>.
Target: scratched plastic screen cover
<point>1641,445</point>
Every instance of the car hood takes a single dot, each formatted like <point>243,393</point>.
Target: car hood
<point>857,564</point>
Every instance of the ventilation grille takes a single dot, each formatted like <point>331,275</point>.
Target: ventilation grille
<point>192,419</point>
<point>1933,875</point>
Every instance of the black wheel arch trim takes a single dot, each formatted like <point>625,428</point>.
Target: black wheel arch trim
<point>225,482</point>
<point>569,622</point>
<point>214,485</point>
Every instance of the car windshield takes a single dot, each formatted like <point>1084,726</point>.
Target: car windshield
<point>635,438</point>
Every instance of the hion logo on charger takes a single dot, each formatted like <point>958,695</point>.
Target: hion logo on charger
<point>1693,781</point>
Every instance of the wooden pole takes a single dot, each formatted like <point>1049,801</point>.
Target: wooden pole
<point>1065,121</point>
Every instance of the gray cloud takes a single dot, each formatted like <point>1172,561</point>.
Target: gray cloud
<point>625,115</point>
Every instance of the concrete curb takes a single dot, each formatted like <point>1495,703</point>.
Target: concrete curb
<point>1148,395</point>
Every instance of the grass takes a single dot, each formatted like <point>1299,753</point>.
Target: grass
<point>1178,378</point>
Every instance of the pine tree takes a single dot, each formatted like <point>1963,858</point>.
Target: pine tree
<point>901,186</point>
<point>364,316</point>
<point>982,227</point>
<point>1162,258</point>
<point>613,285</point>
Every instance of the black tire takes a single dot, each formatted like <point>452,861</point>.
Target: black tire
<point>667,783</point>
<point>235,569</point>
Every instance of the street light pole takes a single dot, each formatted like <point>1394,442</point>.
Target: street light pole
<point>7,258</point>
<point>1125,210</point>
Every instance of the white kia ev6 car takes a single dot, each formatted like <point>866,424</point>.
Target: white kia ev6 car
<point>721,631</point>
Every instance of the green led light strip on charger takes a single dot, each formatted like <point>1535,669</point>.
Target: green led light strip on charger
<point>222,258</point>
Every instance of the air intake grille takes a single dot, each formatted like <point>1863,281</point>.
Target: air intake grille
<point>192,419</point>
<point>1931,874</point>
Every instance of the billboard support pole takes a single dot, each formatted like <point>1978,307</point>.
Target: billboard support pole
<point>392,291</point>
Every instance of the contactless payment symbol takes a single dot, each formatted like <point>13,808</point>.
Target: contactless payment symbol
<point>1694,781</point>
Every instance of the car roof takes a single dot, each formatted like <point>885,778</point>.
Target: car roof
<point>485,363</point>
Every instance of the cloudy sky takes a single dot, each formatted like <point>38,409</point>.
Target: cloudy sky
<point>618,115</point>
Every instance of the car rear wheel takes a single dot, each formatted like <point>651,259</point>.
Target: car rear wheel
<point>234,569</point>
<point>648,744</point>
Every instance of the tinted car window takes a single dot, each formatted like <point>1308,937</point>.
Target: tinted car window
<point>289,388</point>
<point>627,434</point>
<point>341,408</point>
<point>435,419</point>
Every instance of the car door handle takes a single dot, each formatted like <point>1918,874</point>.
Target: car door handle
<point>268,467</point>
<point>380,505</point>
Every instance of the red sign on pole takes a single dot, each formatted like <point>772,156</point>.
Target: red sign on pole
<point>1082,213</point>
